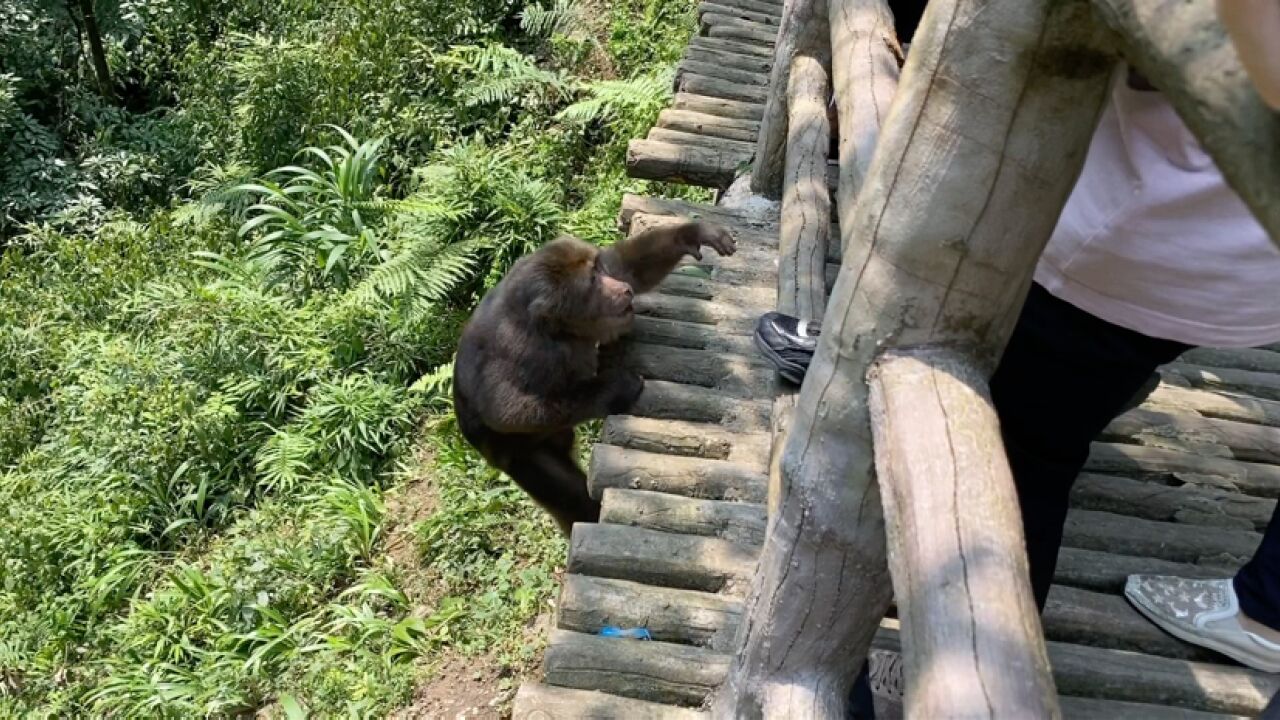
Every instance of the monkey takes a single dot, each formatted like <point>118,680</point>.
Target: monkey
<point>528,368</point>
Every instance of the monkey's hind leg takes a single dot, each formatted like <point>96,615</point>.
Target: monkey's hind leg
<point>551,476</point>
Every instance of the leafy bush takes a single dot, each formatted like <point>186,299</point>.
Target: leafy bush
<point>210,377</point>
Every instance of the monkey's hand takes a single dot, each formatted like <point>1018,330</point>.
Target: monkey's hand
<point>714,236</point>
<point>625,387</point>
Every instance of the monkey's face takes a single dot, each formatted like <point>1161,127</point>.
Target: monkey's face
<point>609,296</point>
<point>576,295</point>
<point>603,310</point>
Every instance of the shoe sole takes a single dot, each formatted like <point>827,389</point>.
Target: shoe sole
<point>1234,652</point>
<point>789,370</point>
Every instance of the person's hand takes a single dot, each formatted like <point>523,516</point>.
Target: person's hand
<point>1254,28</point>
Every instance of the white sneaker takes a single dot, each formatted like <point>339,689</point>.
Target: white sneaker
<point>1204,613</point>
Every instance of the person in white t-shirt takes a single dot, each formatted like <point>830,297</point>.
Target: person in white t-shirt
<point>1183,259</point>
<point>1153,254</point>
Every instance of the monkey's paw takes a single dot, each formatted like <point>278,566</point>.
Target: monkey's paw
<point>719,239</point>
<point>628,387</point>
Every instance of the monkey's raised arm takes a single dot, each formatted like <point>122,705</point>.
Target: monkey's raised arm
<point>643,260</point>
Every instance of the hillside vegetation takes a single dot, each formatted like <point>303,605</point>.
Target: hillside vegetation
<point>239,241</point>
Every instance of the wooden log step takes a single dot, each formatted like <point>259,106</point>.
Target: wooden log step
<point>761,39</point>
<point>1255,359</point>
<point>688,617</point>
<point>1087,569</point>
<point>1086,529</point>
<point>679,137</point>
<point>1188,504</point>
<point>633,205</point>
<point>695,336</point>
<point>719,71</point>
<point>688,439</point>
<point>729,318</point>
<point>653,557</point>
<point>710,125</point>
<point>767,7</point>
<point>1085,617</point>
<point>729,45</point>
<point>711,620</point>
<point>1122,676</point>
<point>1134,677</point>
<point>653,671</point>
<point>722,26</point>
<point>674,401</point>
<point>739,12</point>
<point>715,87</point>
<point>1260,384</point>
<point>711,290</point>
<point>536,701</point>
<point>736,376</point>
<point>721,107</point>
<point>1074,708</point>
<point>616,467</point>
<point>688,164</point>
<point>1107,572</point>
<point>1201,545</point>
<point>1160,428</point>
<point>738,61</point>
<point>1215,405</point>
<point>742,523</point>
<point>682,674</point>
<point>1141,461</point>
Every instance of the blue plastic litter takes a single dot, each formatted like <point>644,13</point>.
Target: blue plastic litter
<point>625,633</point>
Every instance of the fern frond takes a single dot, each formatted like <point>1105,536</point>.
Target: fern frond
<point>627,102</point>
<point>426,272</point>
<point>499,74</point>
<point>435,388</point>
<point>558,18</point>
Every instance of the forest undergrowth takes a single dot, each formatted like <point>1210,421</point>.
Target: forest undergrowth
<point>239,241</point>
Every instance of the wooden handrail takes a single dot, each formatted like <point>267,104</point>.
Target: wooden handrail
<point>978,154</point>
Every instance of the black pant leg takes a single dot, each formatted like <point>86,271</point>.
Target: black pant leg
<point>906,16</point>
<point>1063,377</point>
<point>1258,583</point>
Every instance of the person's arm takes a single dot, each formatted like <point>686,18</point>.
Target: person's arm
<point>1254,28</point>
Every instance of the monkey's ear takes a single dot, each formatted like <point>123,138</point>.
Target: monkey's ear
<point>544,310</point>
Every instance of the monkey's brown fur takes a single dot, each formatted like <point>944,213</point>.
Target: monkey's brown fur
<point>528,364</point>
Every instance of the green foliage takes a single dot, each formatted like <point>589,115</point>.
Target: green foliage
<point>309,231</point>
<point>494,553</point>
<point>211,372</point>
<point>558,17</point>
<point>627,107</point>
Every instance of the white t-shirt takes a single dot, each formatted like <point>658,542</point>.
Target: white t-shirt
<point>1152,238</point>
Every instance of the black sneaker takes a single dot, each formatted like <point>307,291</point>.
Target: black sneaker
<point>789,343</point>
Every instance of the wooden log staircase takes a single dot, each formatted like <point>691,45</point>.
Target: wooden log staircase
<point>1182,485</point>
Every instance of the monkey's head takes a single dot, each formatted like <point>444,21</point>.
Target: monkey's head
<point>574,295</point>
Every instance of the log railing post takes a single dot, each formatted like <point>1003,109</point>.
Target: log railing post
<point>865,57</point>
<point>973,645</point>
<point>801,30</point>
<point>805,227</point>
<point>982,145</point>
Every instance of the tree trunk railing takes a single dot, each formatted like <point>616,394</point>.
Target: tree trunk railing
<point>888,467</point>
